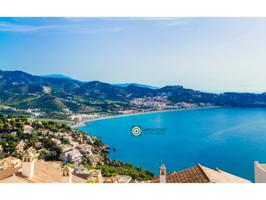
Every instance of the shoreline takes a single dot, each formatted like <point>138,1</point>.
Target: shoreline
<point>85,123</point>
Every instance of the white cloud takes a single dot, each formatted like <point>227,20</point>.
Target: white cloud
<point>165,21</point>
<point>12,27</point>
<point>175,23</point>
<point>85,25</point>
<point>80,28</point>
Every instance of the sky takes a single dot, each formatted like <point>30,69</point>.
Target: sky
<point>208,54</point>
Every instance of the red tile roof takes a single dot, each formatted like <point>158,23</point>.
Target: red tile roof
<point>201,174</point>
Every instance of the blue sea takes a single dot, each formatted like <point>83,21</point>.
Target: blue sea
<point>227,138</point>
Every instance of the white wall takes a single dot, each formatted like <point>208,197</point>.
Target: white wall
<point>260,172</point>
<point>28,169</point>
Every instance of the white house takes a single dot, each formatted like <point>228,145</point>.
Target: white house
<point>27,129</point>
<point>72,155</point>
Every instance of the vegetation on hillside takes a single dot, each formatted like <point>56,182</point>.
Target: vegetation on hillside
<point>43,136</point>
<point>22,91</point>
<point>12,133</point>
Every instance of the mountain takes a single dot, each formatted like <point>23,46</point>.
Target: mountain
<point>50,94</point>
<point>56,76</point>
<point>136,84</point>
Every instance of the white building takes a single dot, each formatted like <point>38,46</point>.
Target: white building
<point>28,163</point>
<point>71,155</point>
<point>56,141</point>
<point>82,117</point>
<point>85,149</point>
<point>260,172</point>
<point>27,129</point>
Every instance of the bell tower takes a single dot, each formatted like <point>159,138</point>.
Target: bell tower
<point>67,175</point>
<point>28,165</point>
<point>162,173</point>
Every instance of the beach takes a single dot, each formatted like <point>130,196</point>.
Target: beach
<point>85,122</point>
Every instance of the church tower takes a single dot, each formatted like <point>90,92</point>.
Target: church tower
<point>28,165</point>
<point>67,175</point>
<point>162,173</point>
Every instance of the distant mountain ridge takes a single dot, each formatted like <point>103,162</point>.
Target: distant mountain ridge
<point>22,90</point>
<point>136,84</point>
<point>56,76</point>
<point>118,84</point>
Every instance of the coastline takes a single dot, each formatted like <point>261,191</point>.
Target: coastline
<point>85,122</point>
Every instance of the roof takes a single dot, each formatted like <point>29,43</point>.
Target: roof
<point>201,174</point>
<point>261,166</point>
<point>43,174</point>
<point>66,147</point>
<point>219,176</point>
<point>14,179</point>
<point>9,162</point>
<point>117,179</point>
<point>112,179</point>
<point>27,127</point>
<point>5,173</point>
<point>162,166</point>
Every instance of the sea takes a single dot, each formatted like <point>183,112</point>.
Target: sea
<point>230,139</point>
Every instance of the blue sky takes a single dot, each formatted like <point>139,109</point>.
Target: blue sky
<point>209,54</point>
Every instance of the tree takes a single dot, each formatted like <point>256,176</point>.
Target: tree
<point>65,141</point>
<point>6,127</point>
<point>18,124</point>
